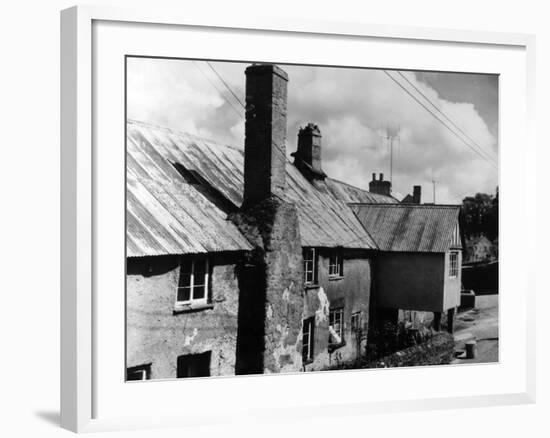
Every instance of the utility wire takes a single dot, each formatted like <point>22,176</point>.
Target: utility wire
<point>440,120</point>
<point>445,115</point>
<point>225,84</point>
<point>219,91</point>
<point>234,95</point>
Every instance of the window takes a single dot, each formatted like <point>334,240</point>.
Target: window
<point>194,365</point>
<point>193,282</point>
<point>310,266</point>
<point>308,339</point>
<point>453,264</point>
<point>356,321</point>
<point>336,327</point>
<point>335,267</point>
<point>142,372</point>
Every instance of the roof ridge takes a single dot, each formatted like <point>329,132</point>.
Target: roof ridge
<point>351,185</point>
<point>400,205</point>
<point>363,190</point>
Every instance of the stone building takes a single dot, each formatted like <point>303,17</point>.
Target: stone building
<point>240,261</point>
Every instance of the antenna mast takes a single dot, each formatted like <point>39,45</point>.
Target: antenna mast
<point>433,182</point>
<point>391,134</point>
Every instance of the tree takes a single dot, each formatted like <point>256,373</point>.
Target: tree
<point>480,215</point>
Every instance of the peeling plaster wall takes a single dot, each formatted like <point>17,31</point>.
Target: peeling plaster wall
<point>157,336</point>
<point>284,292</point>
<point>352,292</point>
<point>272,303</point>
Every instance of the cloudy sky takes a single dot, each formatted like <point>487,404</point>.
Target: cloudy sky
<point>355,109</point>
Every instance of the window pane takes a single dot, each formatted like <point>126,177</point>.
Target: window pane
<point>138,373</point>
<point>194,365</point>
<point>307,339</point>
<point>184,293</point>
<point>186,266</point>
<point>135,375</point>
<point>198,292</point>
<point>200,266</point>
<point>185,280</point>
<point>335,323</point>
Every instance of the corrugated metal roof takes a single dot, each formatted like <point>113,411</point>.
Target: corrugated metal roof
<point>167,215</point>
<point>409,228</point>
<point>324,220</point>
<point>348,193</point>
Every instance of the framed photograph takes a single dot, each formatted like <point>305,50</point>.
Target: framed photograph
<point>265,218</point>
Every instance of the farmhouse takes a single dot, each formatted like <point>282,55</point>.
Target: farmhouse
<point>240,261</point>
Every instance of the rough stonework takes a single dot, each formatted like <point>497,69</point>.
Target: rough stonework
<point>276,266</point>
<point>265,133</point>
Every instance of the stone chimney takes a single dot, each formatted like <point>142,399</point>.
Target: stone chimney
<point>271,275</point>
<point>380,186</point>
<point>417,194</point>
<point>265,133</point>
<point>307,157</point>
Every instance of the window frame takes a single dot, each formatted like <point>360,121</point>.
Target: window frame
<point>193,359</point>
<point>356,321</point>
<point>314,267</point>
<point>310,349</point>
<point>203,301</point>
<point>332,312</point>
<point>145,369</point>
<point>338,272</point>
<point>454,258</point>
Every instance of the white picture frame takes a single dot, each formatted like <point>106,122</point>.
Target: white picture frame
<point>80,369</point>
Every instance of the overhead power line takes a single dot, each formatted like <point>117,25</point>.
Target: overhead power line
<point>445,115</point>
<point>490,161</point>
<point>226,85</point>
<point>219,91</point>
<point>234,96</point>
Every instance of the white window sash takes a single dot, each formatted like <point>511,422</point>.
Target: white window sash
<point>309,344</point>
<point>192,298</point>
<point>336,317</point>
<point>453,264</point>
<point>309,253</point>
<point>334,268</point>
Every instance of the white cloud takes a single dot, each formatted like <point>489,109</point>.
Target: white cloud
<point>352,107</point>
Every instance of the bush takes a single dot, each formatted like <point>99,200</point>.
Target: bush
<point>392,337</point>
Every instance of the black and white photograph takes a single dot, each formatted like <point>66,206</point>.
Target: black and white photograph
<point>298,218</point>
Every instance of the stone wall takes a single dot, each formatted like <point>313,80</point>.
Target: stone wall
<point>438,350</point>
<point>157,336</point>
<point>274,288</point>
